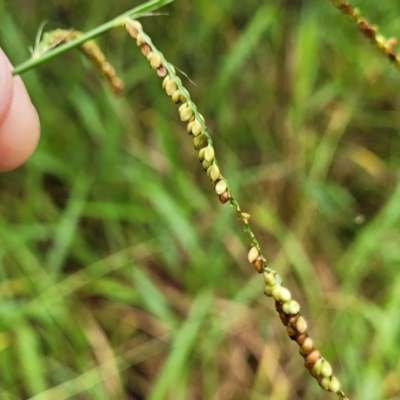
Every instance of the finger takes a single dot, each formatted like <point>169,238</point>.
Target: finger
<point>19,121</point>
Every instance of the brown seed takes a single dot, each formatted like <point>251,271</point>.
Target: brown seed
<point>307,346</point>
<point>117,85</point>
<point>258,264</point>
<point>301,324</point>
<point>224,197</point>
<point>145,49</point>
<point>292,319</point>
<point>313,357</point>
<point>162,71</point>
<point>290,331</point>
<point>301,338</point>
<point>132,30</point>
<point>309,366</point>
<point>283,318</point>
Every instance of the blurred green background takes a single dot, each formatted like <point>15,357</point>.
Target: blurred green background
<point>123,277</point>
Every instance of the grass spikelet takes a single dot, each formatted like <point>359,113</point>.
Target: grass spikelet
<point>91,51</point>
<point>385,46</point>
<point>287,308</point>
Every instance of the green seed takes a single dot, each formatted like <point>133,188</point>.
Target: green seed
<point>326,369</point>
<point>275,292</point>
<point>269,278</point>
<point>317,367</point>
<point>324,383</point>
<point>200,141</point>
<point>220,187</point>
<point>209,154</point>
<point>284,295</point>
<point>213,172</point>
<point>292,307</point>
<point>268,290</point>
<point>334,384</point>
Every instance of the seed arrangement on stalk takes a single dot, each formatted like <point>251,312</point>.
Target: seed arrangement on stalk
<point>288,309</point>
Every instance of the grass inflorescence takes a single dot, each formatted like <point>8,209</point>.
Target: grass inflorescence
<point>370,31</point>
<point>89,49</point>
<point>287,308</point>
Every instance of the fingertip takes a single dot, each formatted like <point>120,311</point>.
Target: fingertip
<point>19,133</point>
<point>19,126</point>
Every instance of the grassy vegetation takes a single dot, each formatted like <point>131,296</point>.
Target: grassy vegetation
<point>123,277</point>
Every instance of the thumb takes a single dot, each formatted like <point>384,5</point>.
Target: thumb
<point>19,121</point>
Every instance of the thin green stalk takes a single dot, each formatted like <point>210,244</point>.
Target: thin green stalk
<point>118,21</point>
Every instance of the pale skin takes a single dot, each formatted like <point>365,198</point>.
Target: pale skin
<point>19,121</point>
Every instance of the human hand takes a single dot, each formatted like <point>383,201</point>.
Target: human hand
<point>19,121</point>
